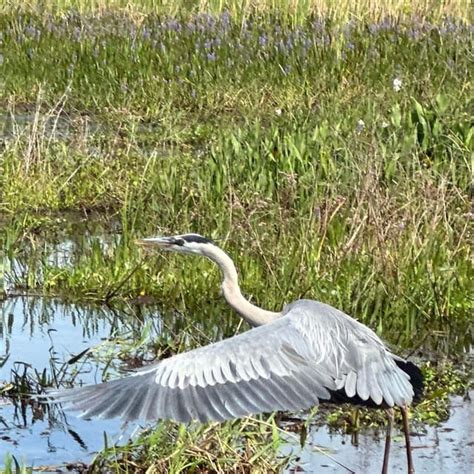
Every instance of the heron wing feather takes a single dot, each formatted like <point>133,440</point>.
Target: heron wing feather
<point>264,369</point>
<point>352,353</point>
<point>288,364</point>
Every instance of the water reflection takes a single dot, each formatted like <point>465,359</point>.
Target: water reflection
<point>438,450</point>
<point>25,268</point>
<point>53,125</point>
<point>39,335</point>
<point>449,337</point>
<point>35,330</point>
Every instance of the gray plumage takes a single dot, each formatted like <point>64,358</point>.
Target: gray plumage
<point>290,360</point>
<point>291,363</point>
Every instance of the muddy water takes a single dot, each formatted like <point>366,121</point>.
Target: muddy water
<point>42,334</point>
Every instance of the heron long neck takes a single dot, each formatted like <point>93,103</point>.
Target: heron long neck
<point>231,290</point>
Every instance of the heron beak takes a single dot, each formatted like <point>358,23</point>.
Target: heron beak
<point>160,242</point>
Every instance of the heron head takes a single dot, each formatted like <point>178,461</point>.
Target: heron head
<point>185,243</point>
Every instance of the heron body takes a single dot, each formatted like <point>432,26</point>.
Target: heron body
<point>291,360</point>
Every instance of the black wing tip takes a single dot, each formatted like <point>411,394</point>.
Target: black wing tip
<point>339,397</point>
<point>416,377</point>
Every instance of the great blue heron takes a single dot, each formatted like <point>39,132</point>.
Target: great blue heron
<point>290,360</point>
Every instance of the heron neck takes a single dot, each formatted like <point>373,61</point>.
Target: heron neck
<point>230,288</point>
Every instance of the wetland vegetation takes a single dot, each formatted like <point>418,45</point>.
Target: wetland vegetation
<point>328,151</point>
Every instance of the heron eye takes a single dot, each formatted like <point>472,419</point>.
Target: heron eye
<point>179,242</point>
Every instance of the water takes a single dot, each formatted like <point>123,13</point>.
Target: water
<point>442,449</point>
<point>57,126</point>
<point>53,124</point>
<point>44,333</point>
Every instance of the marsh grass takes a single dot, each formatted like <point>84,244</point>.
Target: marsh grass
<point>13,466</point>
<point>328,152</point>
<point>297,10</point>
<point>331,157</point>
<point>355,223</point>
<point>242,446</point>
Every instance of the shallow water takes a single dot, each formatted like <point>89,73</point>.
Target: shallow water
<point>442,449</point>
<point>43,333</point>
<point>54,124</point>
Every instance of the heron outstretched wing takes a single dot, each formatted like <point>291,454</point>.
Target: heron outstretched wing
<point>311,353</point>
<point>265,369</point>
<point>352,353</point>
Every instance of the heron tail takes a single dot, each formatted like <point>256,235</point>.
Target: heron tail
<point>416,377</point>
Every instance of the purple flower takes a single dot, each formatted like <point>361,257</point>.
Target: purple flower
<point>76,34</point>
<point>32,32</point>
<point>225,20</point>
<point>413,33</point>
<point>318,25</point>
<point>172,25</point>
<point>373,28</point>
<point>211,57</point>
<point>50,27</point>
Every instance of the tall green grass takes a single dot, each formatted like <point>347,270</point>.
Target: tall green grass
<point>332,157</point>
<point>297,10</point>
<point>250,445</point>
<point>378,233</point>
<point>12,466</point>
